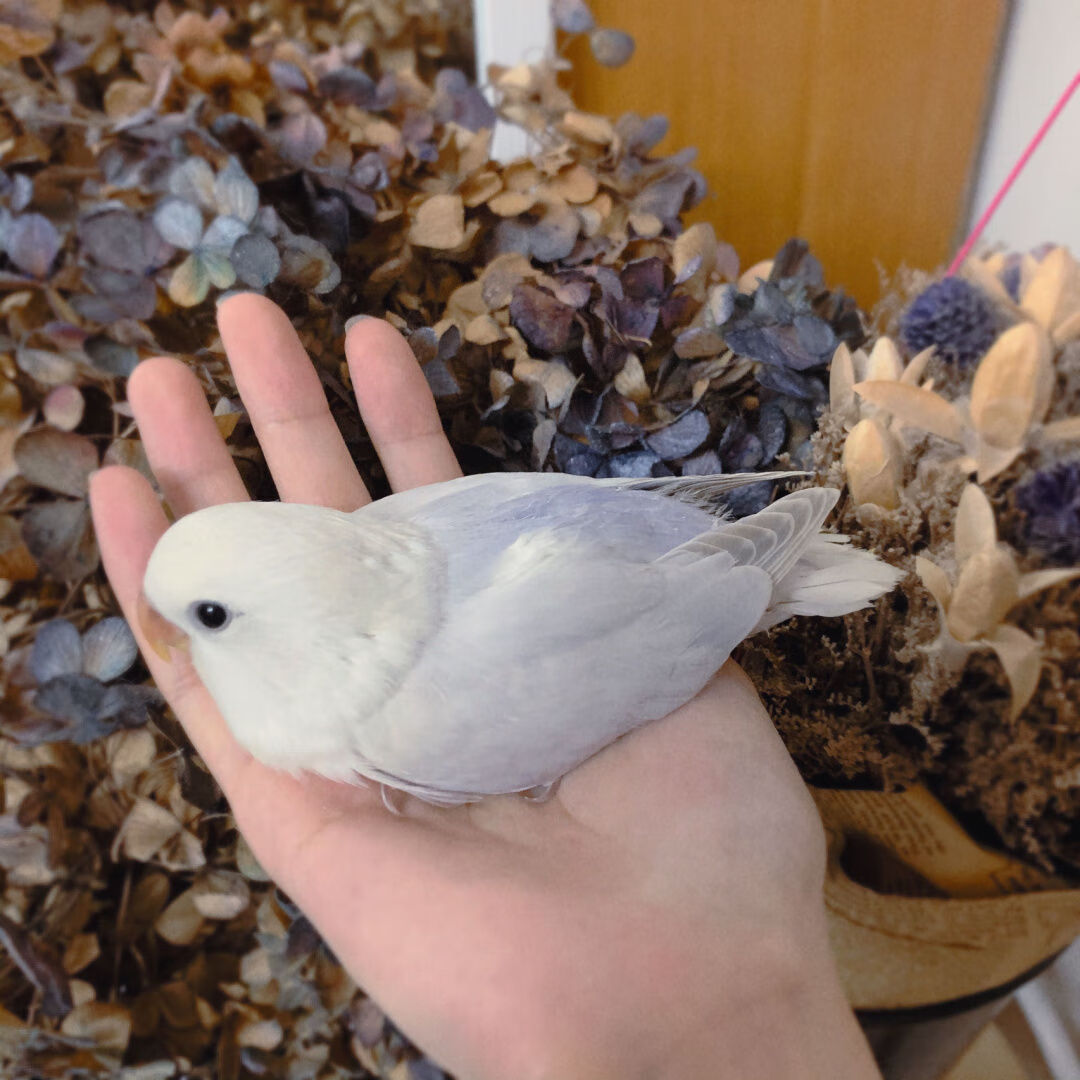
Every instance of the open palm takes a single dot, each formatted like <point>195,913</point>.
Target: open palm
<point>581,937</point>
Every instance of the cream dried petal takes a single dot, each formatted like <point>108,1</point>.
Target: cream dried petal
<point>842,381</point>
<point>181,922</point>
<point>919,408</point>
<point>936,581</point>
<point>754,276</point>
<point>630,382</point>
<point>979,273</point>
<point>1054,290</point>
<point>1021,657</point>
<point>913,373</point>
<point>104,1026</point>
<point>872,464</point>
<point>976,529</point>
<point>990,460</point>
<point>694,251</point>
<point>1011,388</point>
<point>1037,580</point>
<point>1067,329</point>
<point>986,589</point>
<point>1065,430</point>
<point>557,380</point>
<point>146,829</point>
<point>884,362</point>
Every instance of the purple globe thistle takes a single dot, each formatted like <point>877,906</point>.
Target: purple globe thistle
<point>953,315</point>
<point>1051,501</point>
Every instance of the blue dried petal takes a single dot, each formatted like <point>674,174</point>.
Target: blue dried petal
<point>440,379</point>
<point>743,501</point>
<point>179,222</point>
<point>425,1069</point>
<point>815,336</point>
<point>704,464</point>
<point>682,438</point>
<point>57,650</point>
<point>109,649</point>
<point>744,454</point>
<point>637,463</point>
<point>127,705</point>
<point>575,458</point>
<point>791,383</point>
<point>771,305</point>
<point>772,430</point>
<point>348,86</point>
<point>77,701</point>
<point>222,234</point>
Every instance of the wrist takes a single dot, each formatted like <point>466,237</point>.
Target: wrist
<point>785,1018</point>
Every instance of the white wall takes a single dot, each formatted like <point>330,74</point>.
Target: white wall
<point>1042,54</point>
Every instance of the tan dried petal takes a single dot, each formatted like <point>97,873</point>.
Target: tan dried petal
<point>107,1027</point>
<point>125,97</point>
<point>512,203</point>
<point>1021,657</point>
<point>130,754</point>
<point>1068,329</point>
<point>1054,290</point>
<point>986,589</point>
<point>1011,388</point>
<point>181,921</point>
<point>646,225</point>
<point>183,852</point>
<point>912,405</point>
<point>983,274</point>
<point>439,223</point>
<point>27,28</point>
<point>484,330</point>
<point>754,276</point>
<point>936,581</point>
<point>479,187</point>
<point>872,464</point>
<point>587,126</point>
<point>221,895</point>
<point>145,830</point>
<point>575,184</point>
<point>976,529</point>
<point>82,950</point>
<point>694,251</point>
<point>630,381</point>
<point>260,1034</point>
<point>557,380</point>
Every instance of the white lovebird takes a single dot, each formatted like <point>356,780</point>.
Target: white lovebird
<point>486,635</point>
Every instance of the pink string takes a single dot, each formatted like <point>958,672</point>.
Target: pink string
<point>1017,169</point>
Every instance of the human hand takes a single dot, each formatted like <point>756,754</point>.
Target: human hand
<point>660,916</point>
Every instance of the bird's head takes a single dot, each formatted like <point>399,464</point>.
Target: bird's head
<point>299,619</point>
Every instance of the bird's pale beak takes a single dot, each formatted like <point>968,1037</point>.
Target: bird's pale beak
<point>161,635</point>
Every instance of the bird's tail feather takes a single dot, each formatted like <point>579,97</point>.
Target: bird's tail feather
<point>830,578</point>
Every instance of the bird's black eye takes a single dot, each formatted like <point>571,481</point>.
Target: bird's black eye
<point>213,616</point>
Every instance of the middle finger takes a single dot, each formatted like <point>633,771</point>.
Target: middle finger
<point>284,397</point>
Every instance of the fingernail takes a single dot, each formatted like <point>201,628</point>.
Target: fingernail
<point>350,323</point>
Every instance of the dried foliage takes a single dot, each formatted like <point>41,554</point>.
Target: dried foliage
<point>335,156</point>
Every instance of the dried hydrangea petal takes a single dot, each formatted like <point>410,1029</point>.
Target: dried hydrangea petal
<point>682,438</point>
<point>256,260</point>
<point>32,243</point>
<point>57,650</point>
<point>60,538</point>
<point>543,320</point>
<point>235,195</point>
<point>64,407</point>
<point>573,16</point>
<point>58,460</point>
<point>612,48</point>
<point>110,356</point>
<point>179,222</point>
<point>109,649</point>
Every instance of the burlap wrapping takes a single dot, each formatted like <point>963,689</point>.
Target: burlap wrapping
<point>919,914</point>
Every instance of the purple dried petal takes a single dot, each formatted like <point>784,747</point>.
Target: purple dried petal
<point>771,305</point>
<point>815,336</point>
<point>682,437</point>
<point>612,48</point>
<point>370,172</point>
<point>424,344</point>
<point>60,538</point>
<point>644,279</point>
<point>544,321</point>
<point>288,77</point>
<point>57,650</point>
<point>425,1069</point>
<point>119,240</point>
<point>301,136</point>
<point>665,198</point>
<point>554,235</point>
<point>582,414</point>
<point>22,192</point>
<point>641,135</point>
<point>794,262</point>
<point>256,260</point>
<point>367,1022</point>
<point>348,86</point>
<point>109,649</point>
<point>40,965</point>
<point>119,296</point>
<point>744,454</point>
<point>635,318</point>
<point>449,344</point>
<point>32,243</point>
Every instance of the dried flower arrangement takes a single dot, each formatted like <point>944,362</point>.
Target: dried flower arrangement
<point>335,156</point>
